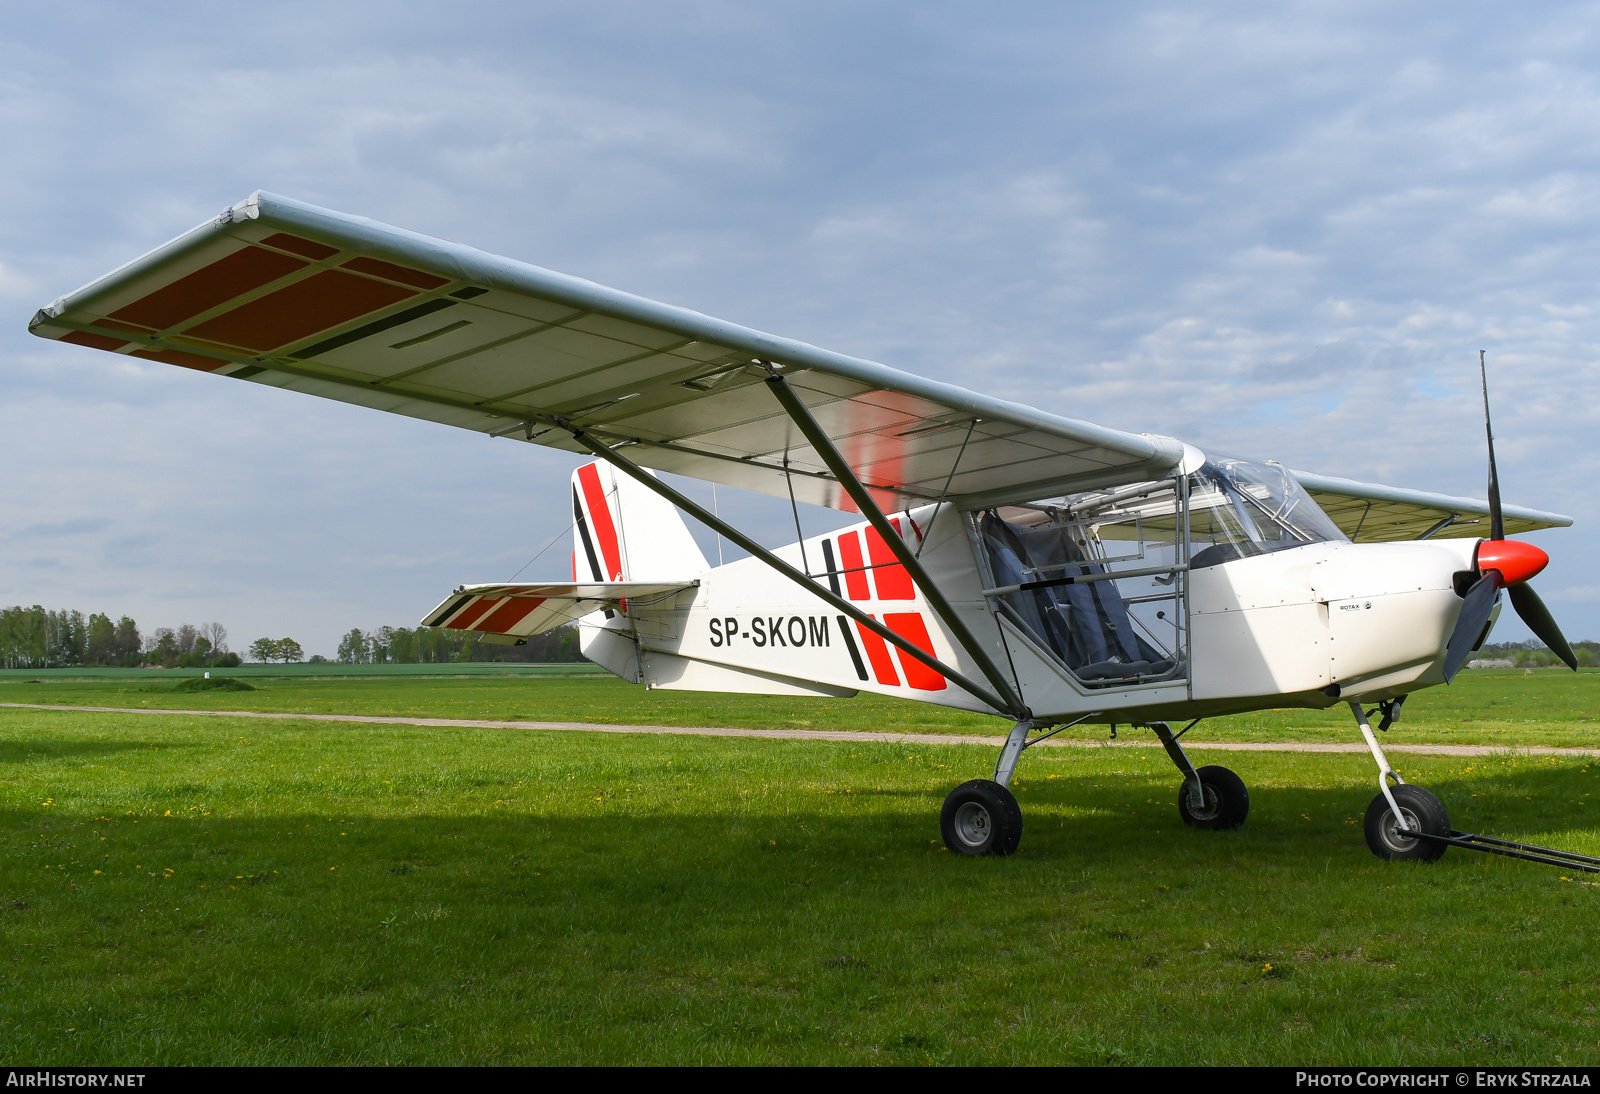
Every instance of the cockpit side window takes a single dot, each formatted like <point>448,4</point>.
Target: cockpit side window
<point>1089,624</point>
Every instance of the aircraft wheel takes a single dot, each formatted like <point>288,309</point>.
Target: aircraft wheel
<point>1421,810</point>
<point>1227,802</point>
<point>981,818</point>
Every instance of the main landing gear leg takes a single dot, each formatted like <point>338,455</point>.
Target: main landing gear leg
<point>982,817</point>
<point>1211,797</point>
<point>1397,814</point>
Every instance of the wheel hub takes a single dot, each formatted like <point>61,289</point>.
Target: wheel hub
<point>973,824</point>
<point>1399,842</point>
<point>1210,806</point>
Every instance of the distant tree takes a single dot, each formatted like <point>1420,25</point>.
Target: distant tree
<point>185,637</point>
<point>101,647</point>
<point>353,648</point>
<point>264,650</point>
<point>128,644</point>
<point>217,635</point>
<point>289,650</point>
<point>403,646</point>
<point>68,637</point>
<point>163,647</point>
<point>383,645</point>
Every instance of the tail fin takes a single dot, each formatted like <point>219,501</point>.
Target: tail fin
<point>626,532</point>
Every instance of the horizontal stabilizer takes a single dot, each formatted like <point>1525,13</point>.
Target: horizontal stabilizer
<point>523,610</point>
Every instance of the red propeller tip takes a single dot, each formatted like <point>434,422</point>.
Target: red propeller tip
<point>1515,560</point>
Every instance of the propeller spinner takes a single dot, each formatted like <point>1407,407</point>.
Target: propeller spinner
<point>1503,563</point>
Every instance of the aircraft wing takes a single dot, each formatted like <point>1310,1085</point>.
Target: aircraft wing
<point>517,611</point>
<point>1369,513</point>
<point>277,292</point>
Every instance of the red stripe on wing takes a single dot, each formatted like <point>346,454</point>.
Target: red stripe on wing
<point>403,274</point>
<point>93,341</point>
<point>207,287</point>
<point>471,612</point>
<point>509,615</point>
<point>180,358</point>
<point>296,311</point>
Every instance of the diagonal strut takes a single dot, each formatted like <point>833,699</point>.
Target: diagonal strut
<point>846,475</point>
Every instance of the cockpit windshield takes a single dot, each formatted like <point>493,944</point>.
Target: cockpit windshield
<point>1239,508</point>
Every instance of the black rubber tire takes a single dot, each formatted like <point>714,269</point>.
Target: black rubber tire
<point>1227,800</point>
<point>981,818</point>
<point>1419,807</point>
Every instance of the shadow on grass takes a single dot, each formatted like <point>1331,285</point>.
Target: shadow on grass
<point>1557,804</point>
<point>15,751</point>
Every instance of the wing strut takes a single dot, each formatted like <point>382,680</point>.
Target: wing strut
<point>711,520</point>
<point>842,471</point>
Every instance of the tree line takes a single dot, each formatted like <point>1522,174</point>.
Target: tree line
<point>37,638</point>
<point>439,645</point>
<point>1533,654</point>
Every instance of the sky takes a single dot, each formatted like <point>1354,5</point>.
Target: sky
<point>1275,230</point>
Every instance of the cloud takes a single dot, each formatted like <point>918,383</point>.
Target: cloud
<point>77,526</point>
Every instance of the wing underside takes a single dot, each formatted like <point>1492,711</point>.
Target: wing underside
<point>289,295</point>
<point>1370,513</point>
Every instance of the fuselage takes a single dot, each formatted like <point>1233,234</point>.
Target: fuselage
<point>1304,626</point>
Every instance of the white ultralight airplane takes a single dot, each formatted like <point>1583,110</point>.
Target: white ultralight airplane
<point>1011,561</point>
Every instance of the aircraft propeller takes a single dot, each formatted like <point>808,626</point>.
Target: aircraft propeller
<point>1503,563</point>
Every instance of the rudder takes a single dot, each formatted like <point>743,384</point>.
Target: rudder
<point>623,531</point>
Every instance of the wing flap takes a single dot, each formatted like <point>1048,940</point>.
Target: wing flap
<point>295,296</point>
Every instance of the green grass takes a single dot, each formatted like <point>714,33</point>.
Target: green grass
<point>1548,707</point>
<point>306,671</point>
<point>183,890</point>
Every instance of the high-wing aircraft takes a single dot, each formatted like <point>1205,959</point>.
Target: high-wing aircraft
<point>1009,561</point>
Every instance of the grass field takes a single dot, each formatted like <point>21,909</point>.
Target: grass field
<point>1494,707</point>
<point>186,890</point>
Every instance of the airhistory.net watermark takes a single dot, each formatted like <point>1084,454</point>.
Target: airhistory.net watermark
<point>52,1078</point>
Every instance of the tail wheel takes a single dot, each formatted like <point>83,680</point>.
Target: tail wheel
<point>1422,812</point>
<point>981,818</point>
<point>1226,801</point>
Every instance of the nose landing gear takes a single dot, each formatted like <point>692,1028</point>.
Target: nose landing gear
<point>1408,824</point>
<point>1424,816</point>
<point>1403,822</point>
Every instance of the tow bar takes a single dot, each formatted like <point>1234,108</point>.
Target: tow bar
<point>1511,849</point>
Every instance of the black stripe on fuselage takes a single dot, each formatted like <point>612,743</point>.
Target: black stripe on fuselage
<point>850,644</point>
<point>833,570</point>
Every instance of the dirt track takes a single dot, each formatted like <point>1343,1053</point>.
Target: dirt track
<point>827,734</point>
